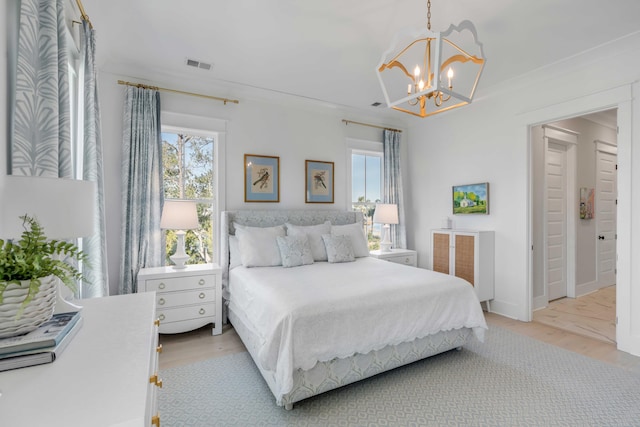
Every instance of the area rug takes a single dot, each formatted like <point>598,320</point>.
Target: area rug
<point>509,380</point>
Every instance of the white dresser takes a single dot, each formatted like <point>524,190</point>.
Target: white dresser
<point>187,298</point>
<point>105,377</point>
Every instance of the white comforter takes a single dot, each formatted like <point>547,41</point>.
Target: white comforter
<point>321,311</point>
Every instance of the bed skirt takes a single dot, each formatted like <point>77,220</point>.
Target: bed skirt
<point>325,376</point>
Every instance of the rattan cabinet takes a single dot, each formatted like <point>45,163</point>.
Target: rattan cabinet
<point>467,254</point>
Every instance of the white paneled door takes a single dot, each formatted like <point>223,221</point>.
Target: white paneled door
<point>556,183</point>
<point>606,194</point>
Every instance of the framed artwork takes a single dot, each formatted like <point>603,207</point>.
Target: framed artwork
<point>471,198</point>
<point>318,181</point>
<point>587,204</point>
<point>261,178</point>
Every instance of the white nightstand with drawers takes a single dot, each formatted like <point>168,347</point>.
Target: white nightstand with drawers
<point>399,256</point>
<point>186,299</point>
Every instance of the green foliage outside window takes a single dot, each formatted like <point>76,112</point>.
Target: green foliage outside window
<point>188,175</point>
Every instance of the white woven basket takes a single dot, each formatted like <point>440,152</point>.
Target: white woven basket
<point>36,312</point>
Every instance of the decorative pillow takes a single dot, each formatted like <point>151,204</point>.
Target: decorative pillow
<point>339,248</point>
<point>258,246</point>
<point>234,253</point>
<point>358,239</point>
<point>294,251</point>
<point>314,234</point>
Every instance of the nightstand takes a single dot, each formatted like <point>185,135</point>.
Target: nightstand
<point>186,299</point>
<point>399,256</point>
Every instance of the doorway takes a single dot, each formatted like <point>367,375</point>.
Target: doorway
<point>574,210</point>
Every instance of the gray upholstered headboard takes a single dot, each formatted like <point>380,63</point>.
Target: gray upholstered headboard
<point>269,218</point>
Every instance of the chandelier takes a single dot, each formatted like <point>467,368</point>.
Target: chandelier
<point>434,72</point>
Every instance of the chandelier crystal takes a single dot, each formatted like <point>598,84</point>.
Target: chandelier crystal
<point>434,72</point>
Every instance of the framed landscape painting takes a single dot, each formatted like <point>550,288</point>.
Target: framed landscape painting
<point>261,178</point>
<point>471,198</point>
<point>318,181</point>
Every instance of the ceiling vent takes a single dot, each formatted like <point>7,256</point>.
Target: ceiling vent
<point>198,64</point>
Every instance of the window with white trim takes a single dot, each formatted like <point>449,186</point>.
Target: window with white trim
<point>188,173</point>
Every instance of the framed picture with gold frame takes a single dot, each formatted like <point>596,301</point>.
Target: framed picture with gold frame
<point>318,181</point>
<point>261,178</point>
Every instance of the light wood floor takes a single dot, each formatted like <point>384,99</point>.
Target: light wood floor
<point>189,347</point>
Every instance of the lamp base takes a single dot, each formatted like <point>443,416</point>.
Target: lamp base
<point>180,257</point>
<point>385,244</point>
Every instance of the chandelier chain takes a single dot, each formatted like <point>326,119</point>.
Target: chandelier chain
<point>429,15</point>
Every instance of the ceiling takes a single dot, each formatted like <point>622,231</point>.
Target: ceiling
<point>327,50</point>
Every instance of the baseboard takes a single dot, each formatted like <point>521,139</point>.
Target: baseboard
<point>586,288</point>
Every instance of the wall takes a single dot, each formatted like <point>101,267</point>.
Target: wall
<point>293,131</point>
<point>489,141</point>
<point>4,134</point>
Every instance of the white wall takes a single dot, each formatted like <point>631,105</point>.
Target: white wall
<point>488,141</point>
<point>4,8</point>
<point>295,133</point>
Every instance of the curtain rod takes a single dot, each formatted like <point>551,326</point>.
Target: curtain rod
<point>140,85</point>
<point>83,13</point>
<point>346,122</point>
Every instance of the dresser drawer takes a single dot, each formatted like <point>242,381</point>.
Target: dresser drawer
<point>172,299</point>
<point>403,259</point>
<point>185,313</point>
<point>169,284</point>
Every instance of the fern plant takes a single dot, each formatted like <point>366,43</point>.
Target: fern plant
<point>33,257</point>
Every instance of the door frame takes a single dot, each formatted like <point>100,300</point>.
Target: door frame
<point>621,98</point>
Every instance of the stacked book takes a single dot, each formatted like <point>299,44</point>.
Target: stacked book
<point>42,345</point>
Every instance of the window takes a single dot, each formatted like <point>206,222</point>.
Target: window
<point>366,187</point>
<point>188,169</point>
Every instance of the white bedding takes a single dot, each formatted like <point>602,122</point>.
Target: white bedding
<point>321,311</point>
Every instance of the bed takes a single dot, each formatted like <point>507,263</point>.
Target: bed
<point>318,325</point>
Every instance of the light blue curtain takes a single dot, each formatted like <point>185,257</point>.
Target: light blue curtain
<point>142,186</point>
<point>94,246</point>
<point>41,144</point>
<point>392,186</point>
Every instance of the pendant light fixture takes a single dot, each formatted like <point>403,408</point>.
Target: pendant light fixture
<point>433,72</point>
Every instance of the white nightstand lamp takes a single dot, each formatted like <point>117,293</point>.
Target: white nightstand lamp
<point>179,215</point>
<point>386,214</point>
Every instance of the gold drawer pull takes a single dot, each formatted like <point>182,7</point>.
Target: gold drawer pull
<point>155,380</point>
<point>157,321</point>
<point>161,317</point>
<point>202,295</point>
<point>159,348</point>
<point>162,285</point>
<point>155,420</point>
<point>161,301</point>
<point>201,282</point>
<point>202,311</point>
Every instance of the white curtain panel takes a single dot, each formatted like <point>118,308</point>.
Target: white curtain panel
<point>41,144</point>
<point>392,186</point>
<point>94,246</point>
<point>142,186</point>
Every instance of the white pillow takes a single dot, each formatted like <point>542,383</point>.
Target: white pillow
<point>314,235</point>
<point>258,246</point>
<point>356,232</point>
<point>294,251</point>
<point>339,248</point>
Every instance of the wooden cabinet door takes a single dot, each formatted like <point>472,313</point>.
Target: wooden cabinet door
<point>465,257</point>
<point>441,252</point>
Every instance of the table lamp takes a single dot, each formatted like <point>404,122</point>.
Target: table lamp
<point>385,214</point>
<point>179,215</point>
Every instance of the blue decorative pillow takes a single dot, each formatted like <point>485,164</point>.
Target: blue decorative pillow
<point>294,251</point>
<point>339,248</point>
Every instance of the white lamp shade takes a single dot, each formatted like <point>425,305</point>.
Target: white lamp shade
<point>386,213</point>
<point>63,207</point>
<point>179,215</point>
